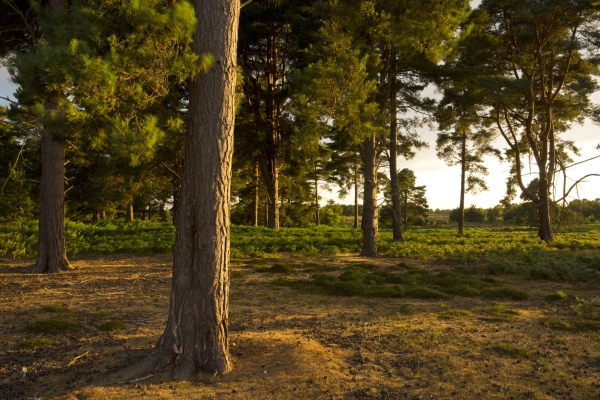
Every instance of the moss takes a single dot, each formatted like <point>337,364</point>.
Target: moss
<point>512,350</point>
<point>53,325</point>
<point>56,308</point>
<point>114,325</point>
<point>35,342</point>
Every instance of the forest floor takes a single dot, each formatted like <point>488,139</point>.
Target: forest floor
<point>290,340</point>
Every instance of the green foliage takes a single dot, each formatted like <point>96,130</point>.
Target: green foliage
<point>455,314</point>
<point>114,325</point>
<point>512,350</point>
<point>574,326</point>
<point>500,312</point>
<point>55,308</point>
<point>558,296</point>
<point>35,342</point>
<point>53,326</point>
<point>236,274</point>
<point>585,309</point>
<point>277,268</point>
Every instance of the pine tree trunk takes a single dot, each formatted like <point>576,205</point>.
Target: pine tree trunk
<point>96,215</point>
<point>396,207</point>
<point>130,212</point>
<point>355,196</point>
<point>195,338</point>
<point>544,223</point>
<point>176,182</point>
<point>369,223</point>
<point>255,205</point>
<point>463,172</point>
<point>51,251</point>
<point>317,217</point>
<point>103,214</point>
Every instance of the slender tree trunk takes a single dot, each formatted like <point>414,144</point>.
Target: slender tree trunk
<point>103,214</point>
<point>96,215</point>
<point>355,196</point>
<point>51,250</point>
<point>266,211</point>
<point>195,338</point>
<point>255,205</point>
<point>463,172</point>
<point>317,218</point>
<point>396,207</point>
<point>369,223</point>
<point>130,212</point>
<point>544,223</point>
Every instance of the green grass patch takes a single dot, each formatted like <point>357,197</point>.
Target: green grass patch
<point>114,325</point>
<point>236,274</point>
<point>500,312</point>
<point>512,350</point>
<point>277,268</point>
<point>557,296</point>
<point>56,308</point>
<point>320,268</point>
<point>571,325</point>
<point>505,293</point>
<point>34,343</point>
<point>455,314</point>
<point>594,336</point>
<point>53,326</point>
<point>102,314</point>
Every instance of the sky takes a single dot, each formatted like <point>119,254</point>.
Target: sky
<point>443,182</point>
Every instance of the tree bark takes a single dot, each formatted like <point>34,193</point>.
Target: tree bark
<point>317,217</point>
<point>355,196</point>
<point>176,182</point>
<point>195,338</point>
<point>255,205</point>
<point>369,223</point>
<point>463,172</point>
<point>544,223</point>
<point>51,249</point>
<point>130,212</point>
<point>96,215</point>
<point>396,206</point>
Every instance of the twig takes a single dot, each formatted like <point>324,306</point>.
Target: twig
<point>77,358</point>
<point>138,379</point>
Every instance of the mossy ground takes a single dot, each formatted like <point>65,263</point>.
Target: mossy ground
<point>293,337</point>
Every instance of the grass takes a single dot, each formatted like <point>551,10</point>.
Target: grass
<point>571,325</point>
<point>34,343</point>
<point>557,296</point>
<point>56,308</point>
<point>455,314</point>
<point>53,326</point>
<point>574,255</point>
<point>512,350</point>
<point>236,274</point>
<point>102,314</point>
<point>500,312</point>
<point>277,268</point>
<point>114,325</point>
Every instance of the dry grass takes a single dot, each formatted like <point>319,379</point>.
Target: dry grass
<point>293,344</point>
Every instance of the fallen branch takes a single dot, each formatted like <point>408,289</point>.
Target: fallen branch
<point>137,380</point>
<point>77,358</point>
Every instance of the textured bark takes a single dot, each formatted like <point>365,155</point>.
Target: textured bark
<point>270,172</point>
<point>317,216</point>
<point>51,251</point>
<point>396,206</point>
<point>544,225</point>
<point>195,338</point>
<point>355,197</point>
<point>369,223</point>
<point>463,172</point>
<point>176,182</point>
<point>255,205</point>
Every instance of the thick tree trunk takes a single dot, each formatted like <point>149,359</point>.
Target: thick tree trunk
<point>255,205</point>
<point>176,183</point>
<point>130,212</point>
<point>195,338</point>
<point>369,223</point>
<point>396,207</point>
<point>355,196</point>
<point>51,251</point>
<point>463,172</point>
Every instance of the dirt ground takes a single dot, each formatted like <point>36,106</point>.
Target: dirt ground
<point>287,344</point>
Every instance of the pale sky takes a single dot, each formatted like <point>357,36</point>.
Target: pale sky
<point>443,182</point>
